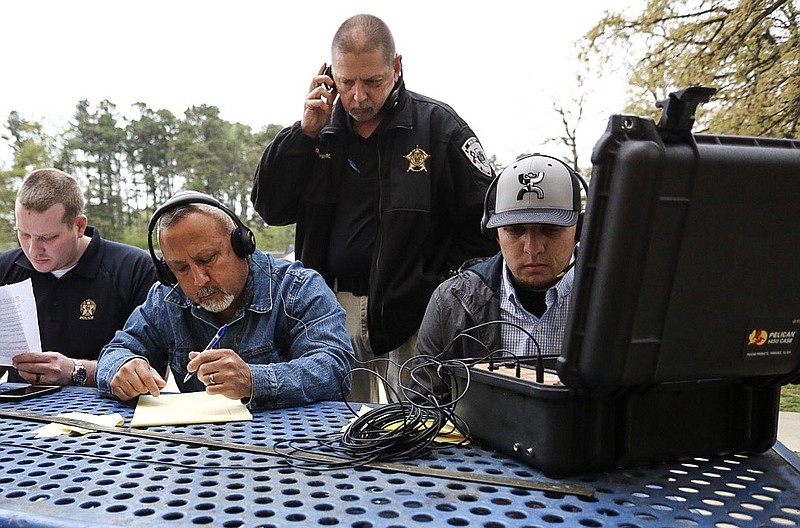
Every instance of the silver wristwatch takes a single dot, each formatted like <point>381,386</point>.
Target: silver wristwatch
<point>79,373</point>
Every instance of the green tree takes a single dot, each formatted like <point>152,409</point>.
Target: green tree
<point>277,239</point>
<point>219,158</point>
<point>150,153</point>
<point>205,151</point>
<point>242,166</point>
<point>128,167</point>
<point>748,49</point>
<point>32,148</point>
<point>256,142</point>
<point>95,147</point>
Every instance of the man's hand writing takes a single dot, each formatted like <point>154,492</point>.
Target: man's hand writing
<point>222,371</point>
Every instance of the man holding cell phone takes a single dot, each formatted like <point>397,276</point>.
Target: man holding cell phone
<point>385,187</point>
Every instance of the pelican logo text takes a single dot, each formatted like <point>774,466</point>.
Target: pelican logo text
<point>528,181</point>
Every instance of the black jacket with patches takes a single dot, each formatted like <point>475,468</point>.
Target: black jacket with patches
<point>429,217</point>
<point>80,312</point>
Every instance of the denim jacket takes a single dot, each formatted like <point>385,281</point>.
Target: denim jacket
<point>291,333</point>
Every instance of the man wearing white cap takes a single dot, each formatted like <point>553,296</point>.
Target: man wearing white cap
<point>517,300</point>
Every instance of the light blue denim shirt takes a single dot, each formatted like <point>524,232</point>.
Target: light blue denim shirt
<point>291,334</point>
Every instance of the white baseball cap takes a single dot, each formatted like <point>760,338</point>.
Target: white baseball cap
<point>536,189</point>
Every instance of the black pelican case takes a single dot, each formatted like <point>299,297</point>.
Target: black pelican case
<point>684,314</point>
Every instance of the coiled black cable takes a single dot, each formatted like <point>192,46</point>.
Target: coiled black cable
<point>405,428</point>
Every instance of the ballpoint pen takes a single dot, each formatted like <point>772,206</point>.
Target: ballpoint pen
<point>211,344</point>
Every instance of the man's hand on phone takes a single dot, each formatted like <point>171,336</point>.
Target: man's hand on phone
<point>318,105</point>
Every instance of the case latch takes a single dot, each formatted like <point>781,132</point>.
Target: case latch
<point>677,111</point>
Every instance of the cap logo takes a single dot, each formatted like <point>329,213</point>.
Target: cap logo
<point>528,180</point>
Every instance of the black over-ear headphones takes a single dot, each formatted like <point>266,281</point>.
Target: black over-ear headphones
<point>243,240</point>
<point>488,197</point>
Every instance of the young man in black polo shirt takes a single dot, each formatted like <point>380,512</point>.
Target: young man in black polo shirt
<point>85,287</point>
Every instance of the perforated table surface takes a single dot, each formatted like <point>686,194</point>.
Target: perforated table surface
<point>107,479</point>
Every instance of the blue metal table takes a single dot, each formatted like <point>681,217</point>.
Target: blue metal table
<point>107,479</point>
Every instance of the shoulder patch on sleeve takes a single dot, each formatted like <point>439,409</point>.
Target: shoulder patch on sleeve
<point>475,154</point>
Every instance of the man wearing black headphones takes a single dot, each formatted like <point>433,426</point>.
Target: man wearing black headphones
<point>228,318</point>
<point>535,215</point>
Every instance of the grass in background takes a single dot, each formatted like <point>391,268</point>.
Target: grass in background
<point>790,398</point>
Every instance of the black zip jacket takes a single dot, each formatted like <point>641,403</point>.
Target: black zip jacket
<point>433,178</point>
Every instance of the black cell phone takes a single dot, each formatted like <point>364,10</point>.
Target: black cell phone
<point>23,391</point>
<point>329,72</point>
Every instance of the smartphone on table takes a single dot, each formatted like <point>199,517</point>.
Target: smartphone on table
<point>21,391</point>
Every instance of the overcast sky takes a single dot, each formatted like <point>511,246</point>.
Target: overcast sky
<point>500,64</point>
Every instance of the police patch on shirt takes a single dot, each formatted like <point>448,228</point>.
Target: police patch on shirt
<point>88,308</point>
<point>474,151</point>
<point>416,160</point>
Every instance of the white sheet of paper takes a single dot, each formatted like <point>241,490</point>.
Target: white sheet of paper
<point>187,408</point>
<point>19,325</point>
<point>56,429</point>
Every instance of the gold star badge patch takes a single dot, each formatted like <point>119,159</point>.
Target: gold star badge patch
<point>416,160</point>
<point>88,308</point>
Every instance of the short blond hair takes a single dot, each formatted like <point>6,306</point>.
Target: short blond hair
<point>44,188</point>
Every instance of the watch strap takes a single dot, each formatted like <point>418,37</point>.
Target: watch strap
<point>79,375</point>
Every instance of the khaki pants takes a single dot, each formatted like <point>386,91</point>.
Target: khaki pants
<point>367,387</point>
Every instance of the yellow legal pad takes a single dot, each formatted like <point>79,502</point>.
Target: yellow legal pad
<point>188,408</point>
